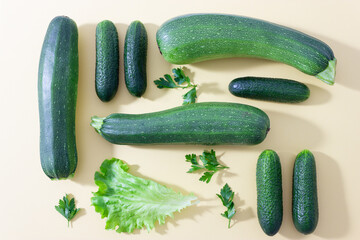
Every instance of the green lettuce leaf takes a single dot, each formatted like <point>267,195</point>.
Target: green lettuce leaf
<point>129,202</point>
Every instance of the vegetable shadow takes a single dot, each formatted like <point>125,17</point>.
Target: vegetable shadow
<point>317,96</point>
<point>347,62</point>
<point>288,132</point>
<point>92,149</point>
<point>333,207</point>
<point>333,212</point>
<point>211,87</point>
<point>243,213</point>
<point>156,64</point>
<point>79,214</point>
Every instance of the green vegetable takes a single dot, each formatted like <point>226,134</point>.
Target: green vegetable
<point>227,195</point>
<point>305,201</point>
<point>199,123</point>
<point>209,163</point>
<point>57,93</point>
<point>67,208</point>
<point>270,89</point>
<point>180,81</point>
<point>269,192</point>
<point>107,61</point>
<point>135,54</point>
<point>198,37</point>
<point>129,202</point>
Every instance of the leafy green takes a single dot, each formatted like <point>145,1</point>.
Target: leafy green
<point>129,202</point>
<point>227,195</point>
<point>67,208</point>
<point>209,163</point>
<point>166,82</point>
<point>180,77</point>
<point>180,81</point>
<point>190,96</point>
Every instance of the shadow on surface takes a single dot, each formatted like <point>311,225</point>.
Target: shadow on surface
<point>347,63</point>
<point>333,210</point>
<point>92,149</point>
<point>156,64</point>
<point>289,132</point>
<point>243,213</point>
<point>318,96</point>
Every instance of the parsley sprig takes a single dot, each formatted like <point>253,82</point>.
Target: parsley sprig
<point>227,195</point>
<point>209,163</point>
<point>67,208</point>
<point>180,81</point>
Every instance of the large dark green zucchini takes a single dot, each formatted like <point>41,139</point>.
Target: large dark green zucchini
<point>197,37</point>
<point>269,89</point>
<point>305,201</point>
<point>57,93</point>
<point>198,123</point>
<point>107,61</point>
<point>135,54</point>
<point>269,192</point>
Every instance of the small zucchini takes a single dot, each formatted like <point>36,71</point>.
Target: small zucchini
<point>305,209</point>
<point>198,37</point>
<point>57,93</point>
<point>207,123</point>
<point>269,192</point>
<point>135,52</point>
<point>107,61</point>
<point>269,89</point>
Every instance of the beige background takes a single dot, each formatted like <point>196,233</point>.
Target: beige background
<point>327,124</point>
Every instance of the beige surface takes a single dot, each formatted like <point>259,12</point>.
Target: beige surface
<point>328,123</point>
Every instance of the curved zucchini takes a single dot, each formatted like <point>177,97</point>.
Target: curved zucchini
<point>57,93</point>
<point>199,123</point>
<point>135,52</point>
<point>269,192</point>
<point>305,201</point>
<point>197,37</point>
<point>107,61</point>
<point>269,89</point>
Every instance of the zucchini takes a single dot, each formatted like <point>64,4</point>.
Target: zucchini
<point>197,37</point>
<point>107,61</point>
<point>305,209</point>
<point>57,93</point>
<point>269,192</point>
<point>135,52</point>
<point>199,123</point>
<point>270,89</point>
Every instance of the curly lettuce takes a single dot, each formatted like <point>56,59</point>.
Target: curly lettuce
<point>129,202</point>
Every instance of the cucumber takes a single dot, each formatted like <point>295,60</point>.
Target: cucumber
<point>57,93</point>
<point>107,61</point>
<point>269,89</point>
<point>305,209</point>
<point>197,37</point>
<point>199,123</point>
<point>135,52</point>
<point>269,192</point>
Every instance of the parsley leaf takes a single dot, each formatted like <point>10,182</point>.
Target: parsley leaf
<point>67,208</point>
<point>209,163</point>
<point>190,96</point>
<point>227,196</point>
<point>180,77</point>
<point>180,81</point>
<point>168,82</point>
